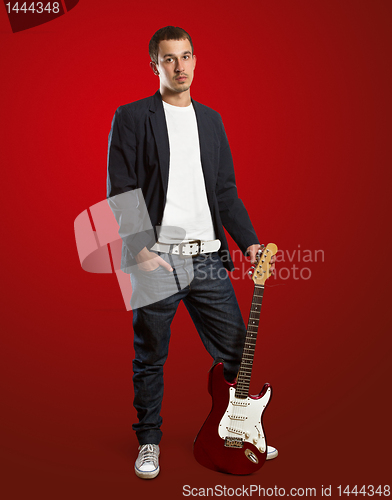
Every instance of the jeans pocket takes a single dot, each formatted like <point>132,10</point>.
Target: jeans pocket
<point>148,272</point>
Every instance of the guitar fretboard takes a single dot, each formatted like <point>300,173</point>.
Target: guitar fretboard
<point>245,371</point>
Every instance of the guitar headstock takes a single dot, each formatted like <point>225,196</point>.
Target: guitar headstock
<point>262,267</point>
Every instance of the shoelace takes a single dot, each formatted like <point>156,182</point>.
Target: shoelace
<point>149,453</point>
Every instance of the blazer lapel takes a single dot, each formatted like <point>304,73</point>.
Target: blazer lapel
<point>205,130</point>
<point>159,128</point>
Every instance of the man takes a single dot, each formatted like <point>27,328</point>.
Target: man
<point>171,155</point>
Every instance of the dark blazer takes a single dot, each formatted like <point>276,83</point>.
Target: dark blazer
<point>138,157</point>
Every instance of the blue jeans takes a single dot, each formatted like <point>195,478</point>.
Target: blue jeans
<point>212,305</point>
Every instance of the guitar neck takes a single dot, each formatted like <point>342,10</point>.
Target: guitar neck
<point>245,371</point>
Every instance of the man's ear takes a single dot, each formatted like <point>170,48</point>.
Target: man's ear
<point>194,61</point>
<point>154,68</point>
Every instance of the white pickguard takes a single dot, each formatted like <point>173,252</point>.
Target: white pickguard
<point>242,419</point>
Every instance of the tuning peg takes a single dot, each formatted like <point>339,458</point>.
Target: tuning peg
<point>250,273</point>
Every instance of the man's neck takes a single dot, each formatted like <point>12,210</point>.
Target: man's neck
<point>181,99</point>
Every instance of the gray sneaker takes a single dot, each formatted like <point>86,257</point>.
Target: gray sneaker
<point>147,462</point>
<point>271,452</point>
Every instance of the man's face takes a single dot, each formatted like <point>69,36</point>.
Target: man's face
<point>175,65</point>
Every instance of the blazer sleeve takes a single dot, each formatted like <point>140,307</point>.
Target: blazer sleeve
<point>124,197</point>
<point>232,211</point>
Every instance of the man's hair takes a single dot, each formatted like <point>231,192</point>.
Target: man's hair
<point>166,33</point>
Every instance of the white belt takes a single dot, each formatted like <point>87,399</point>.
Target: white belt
<point>194,247</point>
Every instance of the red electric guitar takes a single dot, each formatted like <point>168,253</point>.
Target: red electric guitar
<point>232,439</point>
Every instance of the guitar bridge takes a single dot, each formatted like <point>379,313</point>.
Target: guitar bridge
<point>234,442</point>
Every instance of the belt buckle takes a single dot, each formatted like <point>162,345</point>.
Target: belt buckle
<point>181,246</point>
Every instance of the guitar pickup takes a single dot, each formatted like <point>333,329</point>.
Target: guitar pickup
<point>235,402</point>
<point>236,431</point>
<point>236,417</point>
<point>233,442</point>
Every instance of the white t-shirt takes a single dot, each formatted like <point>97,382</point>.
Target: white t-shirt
<point>186,202</point>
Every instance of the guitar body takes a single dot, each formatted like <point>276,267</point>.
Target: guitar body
<point>232,439</point>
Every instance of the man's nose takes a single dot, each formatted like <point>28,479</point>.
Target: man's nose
<point>179,66</point>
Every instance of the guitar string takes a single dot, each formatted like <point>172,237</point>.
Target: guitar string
<point>239,412</point>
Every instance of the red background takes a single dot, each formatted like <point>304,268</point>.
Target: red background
<point>304,89</point>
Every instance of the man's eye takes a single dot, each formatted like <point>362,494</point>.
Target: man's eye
<point>186,57</point>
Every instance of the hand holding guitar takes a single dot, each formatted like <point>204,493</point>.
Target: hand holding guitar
<point>253,252</point>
